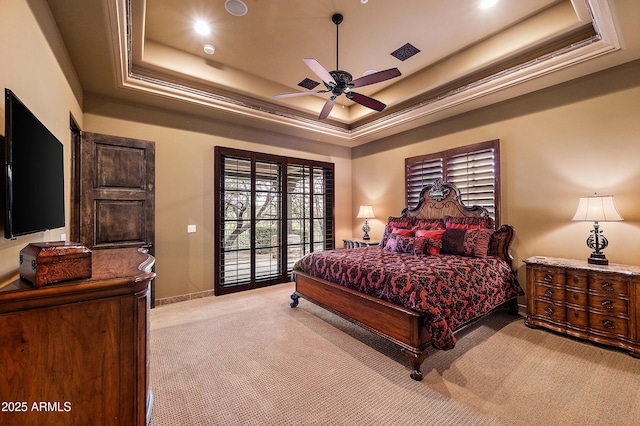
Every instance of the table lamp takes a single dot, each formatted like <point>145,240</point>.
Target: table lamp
<point>366,212</point>
<point>597,208</point>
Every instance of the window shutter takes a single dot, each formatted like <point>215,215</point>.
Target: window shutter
<point>474,175</point>
<point>473,169</point>
<point>420,173</point>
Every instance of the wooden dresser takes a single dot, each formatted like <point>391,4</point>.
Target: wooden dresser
<point>77,352</point>
<point>593,302</point>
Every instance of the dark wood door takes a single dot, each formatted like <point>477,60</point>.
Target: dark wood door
<point>115,192</point>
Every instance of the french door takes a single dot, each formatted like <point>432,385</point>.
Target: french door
<point>269,211</point>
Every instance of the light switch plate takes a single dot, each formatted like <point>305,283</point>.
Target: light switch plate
<point>191,229</point>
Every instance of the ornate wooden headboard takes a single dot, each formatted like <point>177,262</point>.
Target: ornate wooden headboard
<point>441,199</point>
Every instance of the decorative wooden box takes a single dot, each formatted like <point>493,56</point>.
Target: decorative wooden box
<point>52,262</point>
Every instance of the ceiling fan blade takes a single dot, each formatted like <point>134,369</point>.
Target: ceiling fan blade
<point>326,109</point>
<point>366,101</point>
<point>319,70</point>
<point>294,95</point>
<point>376,77</point>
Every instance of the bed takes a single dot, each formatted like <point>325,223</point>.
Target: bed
<point>440,266</point>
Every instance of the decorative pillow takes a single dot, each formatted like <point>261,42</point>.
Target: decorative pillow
<point>395,222</point>
<point>405,244</point>
<point>466,242</point>
<point>483,241</point>
<point>428,224</point>
<point>404,232</point>
<point>392,243</point>
<point>468,222</point>
<point>431,241</point>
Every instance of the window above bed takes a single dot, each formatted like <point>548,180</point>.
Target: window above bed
<point>474,169</point>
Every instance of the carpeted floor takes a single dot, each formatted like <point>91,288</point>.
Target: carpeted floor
<point>250,359</point>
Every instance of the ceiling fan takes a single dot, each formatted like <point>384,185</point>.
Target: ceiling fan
<point>340,82</point>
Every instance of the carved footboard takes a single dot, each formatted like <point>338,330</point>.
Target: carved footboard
<point>395,323</point>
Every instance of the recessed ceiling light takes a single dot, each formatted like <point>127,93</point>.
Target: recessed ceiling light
<point>202,27</point>
<point>236,7</point>
<point>486,4</point>
<point>209,49</point>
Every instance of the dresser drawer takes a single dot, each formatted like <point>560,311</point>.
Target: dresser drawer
<point>550,311</point>
<point>609,325</point>
<point>549,293</point>
<point>577,298</point>
<point>577,317</point>
<point>609,304</point>
<point>609,284</point>
<point>577,280</point>
<point>555,276</point>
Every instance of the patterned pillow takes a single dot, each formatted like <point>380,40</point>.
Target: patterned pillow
<point>466,242</point>
<point>395,222</point>
<point>405,244</point>
<point>400,243</point>
<point>428,224</point>
<point>430,241</point>
<point>468,222</point>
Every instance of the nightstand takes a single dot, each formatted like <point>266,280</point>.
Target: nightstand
<point>355,243</point>
<point>600,303</point>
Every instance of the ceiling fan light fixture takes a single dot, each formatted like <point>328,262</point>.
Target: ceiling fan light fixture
<point>236,7</point>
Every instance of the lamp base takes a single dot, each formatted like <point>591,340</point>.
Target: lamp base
<point>598,259</point>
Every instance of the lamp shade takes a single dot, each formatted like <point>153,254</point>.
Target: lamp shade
<point>366,212</point>
<point>597,208</point>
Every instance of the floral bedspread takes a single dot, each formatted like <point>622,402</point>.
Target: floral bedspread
<point>447,290</point>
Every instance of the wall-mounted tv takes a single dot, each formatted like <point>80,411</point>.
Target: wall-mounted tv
<point>33,173</point>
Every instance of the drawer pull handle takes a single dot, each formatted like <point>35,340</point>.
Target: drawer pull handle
<point>607,304</point>
<point>548,292</point>
<point>548,310</point>
<point>607,286</point>
<point>608,324</point>
<point>548,277</point>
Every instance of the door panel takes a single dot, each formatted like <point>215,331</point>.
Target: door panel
<point>117,192</point>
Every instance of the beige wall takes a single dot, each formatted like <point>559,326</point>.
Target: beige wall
<point>184,182</point>
<point>556,145</point>
<point>31,68</point>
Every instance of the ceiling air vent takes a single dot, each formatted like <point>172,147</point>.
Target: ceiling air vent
<point>307,83</point>
<point>405,52</point>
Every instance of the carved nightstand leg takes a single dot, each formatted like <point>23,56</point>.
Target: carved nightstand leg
<point>416,359</point>
<point>294,300</point>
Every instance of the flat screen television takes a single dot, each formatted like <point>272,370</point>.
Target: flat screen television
<point>33,173</point>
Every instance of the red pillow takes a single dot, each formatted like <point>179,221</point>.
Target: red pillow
<point>404,232</point>
<point>433,242</point>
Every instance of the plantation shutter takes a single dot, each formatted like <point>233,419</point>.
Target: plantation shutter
<point>419,173</point>
<point>474,169</point>
<point>474,175</point>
